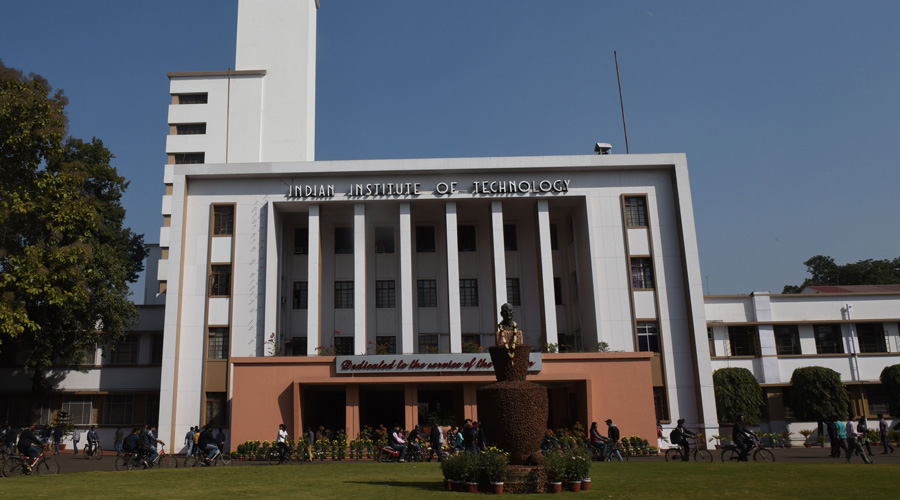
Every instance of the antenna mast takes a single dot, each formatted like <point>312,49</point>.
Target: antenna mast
<point>621,102</point>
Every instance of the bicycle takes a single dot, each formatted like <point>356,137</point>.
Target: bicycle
<point>130,460</point>
<point>200,460</point>
<point>731,452</point>
<point>19,466</point>
<point>92,452</point>
<point>162,460</point>
<point>700,455</point>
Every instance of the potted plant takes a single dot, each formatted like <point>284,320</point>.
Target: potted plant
<point>555,468</point>
<point>821,441</point>
<point>450,467</point>
<point>470,471</point>
<point>806,433</point>
<point>579,468</point>
<point>495,463</point>
<point>718,440</point>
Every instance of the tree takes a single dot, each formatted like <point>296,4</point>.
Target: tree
<point>737,393</point>
<point>890,381</point>
<point>823,271</point>
<point>65,257</point>
<point>817,393</point>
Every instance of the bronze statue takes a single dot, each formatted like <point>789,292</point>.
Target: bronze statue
<point>508,334</point>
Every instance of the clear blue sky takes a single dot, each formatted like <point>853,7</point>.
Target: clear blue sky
<point>789,112</point>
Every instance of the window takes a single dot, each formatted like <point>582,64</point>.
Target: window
<point>301,240</point>
<point>557,290</point>
<point>118,410</point>
<point>125,352</point>
<point>425,239</point>
<point>80,409</point>
<point>428,344</point>
<point>299,346</point>
<point>385,294</point>
<point>709,338</point>
<point>199,98</point>
<point>218,343</point>
<point>871,337</point>
<point>223,219</point>
<point>648,336</point>
<point>220,280</point>
<point>787,340</point>
<point>427,293</point>
<point>189,158</point>
<point>384,239</point>
<point>343,240</point>
<point>468,293</point>
<point>343,346</point>
<point>659,401</point>
<point>386,344</point>
<point>641,273</point>
<point>570,342</point>
<point>301,295</point>
<point>472,339</point>
<point>156,349</point>
<point>465,238</point>
<point>828,339</point>
<point>510,242</point>
<point>215,409</point>
<point>151,410</point>
<point>742,340</point>
<point>635,211</point>
<point>554,237</point>
<point>877,399</point>
<point>512,291</point>
<point>343,295</point>
<point>190,128</point>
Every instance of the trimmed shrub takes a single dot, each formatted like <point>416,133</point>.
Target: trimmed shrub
<point>890,381</point>
<point>737,393</point>
<point>817,393</point>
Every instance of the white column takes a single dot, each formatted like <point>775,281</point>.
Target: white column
<point>453,312</point>
<point>548,294</point>
<point>499,249</point>
<point>359,279</point>
<point>407,286</point>
<point>762,307</point>
<point>271,300</point>
<point>314,284</point>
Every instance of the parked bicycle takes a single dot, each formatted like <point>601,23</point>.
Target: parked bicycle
<point>18,466</point>
<point>676,454</point>
<point>730,452</point>
<point>199,460</point>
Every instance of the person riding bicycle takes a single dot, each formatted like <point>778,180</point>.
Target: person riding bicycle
<point>413,439</point>
<point>93,440</point>
<point>29,445</point>
<point>598,440</point>
<point>397,443</point>
<point>679,436</point>
<point>208,444</point>
<point>741,436</point>
<point>150,443</point>
<point>281,441</point>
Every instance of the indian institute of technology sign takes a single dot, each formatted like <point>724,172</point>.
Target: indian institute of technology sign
<point>423,363</point>
<point>492,187</point>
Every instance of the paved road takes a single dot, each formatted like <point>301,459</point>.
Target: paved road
<point>70,463</point>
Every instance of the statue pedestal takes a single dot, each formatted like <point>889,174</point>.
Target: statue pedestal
<point>512,410</point>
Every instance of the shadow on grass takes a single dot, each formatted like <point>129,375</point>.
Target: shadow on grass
<point>427,486</point>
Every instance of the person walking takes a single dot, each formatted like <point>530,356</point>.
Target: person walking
<point>436,436</point>
<point>481,443</point>
<point>863,429</point>
<point>57,437</point>
<point>841,429</point>
<point>280,441</point>
<point>12,436</point>
<point>612,433</point>
<point>220,438</point>
<point>884,428</point>
<point>831,428</point>
<point>189,442</point>
<point>117,440</point>
<point>853,443</point>
<point>310,442</point>
<point>76,436</point>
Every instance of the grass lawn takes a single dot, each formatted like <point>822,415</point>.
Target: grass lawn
<point>368,480</point>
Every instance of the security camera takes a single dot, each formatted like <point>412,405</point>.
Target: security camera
<point>602,148</point>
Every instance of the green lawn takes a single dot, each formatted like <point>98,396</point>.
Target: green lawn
<point>422,481</point>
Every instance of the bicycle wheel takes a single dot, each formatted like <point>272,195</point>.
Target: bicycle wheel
<point>729,455</point>
<point>763,455</point>
<point>162,461</point>
<point>673,455</point>
<point>192,461</point>
<point>12,467</point>
<point>124,462</point>
<point>98,453</point>
<point>225,458</point>
<point>702,456</point>
<point>47,466</point>
<point>273,457</point>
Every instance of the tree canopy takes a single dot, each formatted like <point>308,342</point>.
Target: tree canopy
<point>66,258</point>
<point>737,393</point>
<point>817,394</point>
<point>823,271</point>
<point>890,381</point>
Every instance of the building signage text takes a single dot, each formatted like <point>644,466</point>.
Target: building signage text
<point>401,189</point>
<point>423,363</point>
